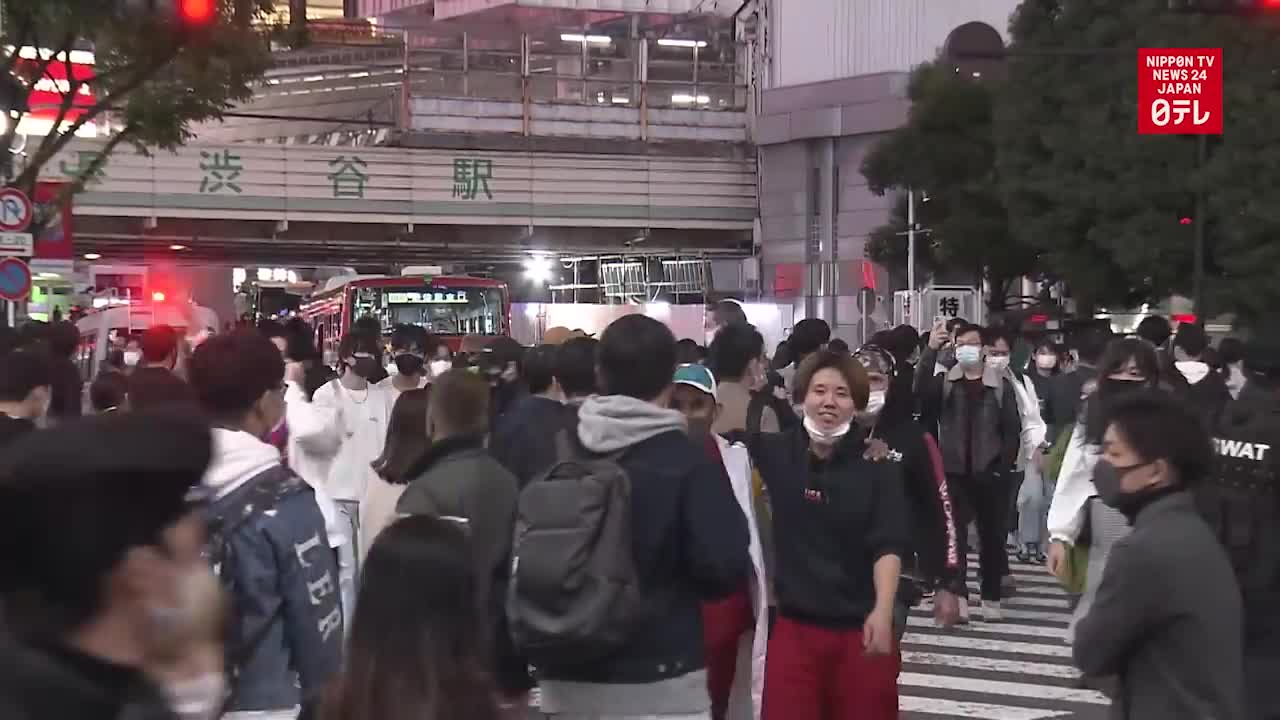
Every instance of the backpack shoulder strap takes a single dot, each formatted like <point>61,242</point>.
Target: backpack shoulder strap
<point>755,411</point>
<point>565,450</point>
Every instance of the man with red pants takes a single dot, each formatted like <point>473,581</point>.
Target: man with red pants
<point>734,628</point>
<point>840,530</point>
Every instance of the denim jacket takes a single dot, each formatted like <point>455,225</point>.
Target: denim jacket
<point>287,638</point>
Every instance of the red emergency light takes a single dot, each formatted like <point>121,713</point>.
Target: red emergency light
<point>1188,318</point>
<point>195,13</point>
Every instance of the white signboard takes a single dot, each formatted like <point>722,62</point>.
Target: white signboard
<point>949,303</point>
<point>17,244</point>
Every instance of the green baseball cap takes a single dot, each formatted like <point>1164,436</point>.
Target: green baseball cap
<point>696,376</point>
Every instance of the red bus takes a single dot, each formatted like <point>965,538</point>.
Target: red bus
<point>450,307</point>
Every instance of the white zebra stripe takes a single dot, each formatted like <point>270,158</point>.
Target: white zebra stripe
<point>1000,687</point>
<point>987,664</point>
<point>1002,628</point>
<point>926,610</point>
<point>1042,578</point>
<point>957,641</point>
<point>976,710</point>
<point>1037,590</point>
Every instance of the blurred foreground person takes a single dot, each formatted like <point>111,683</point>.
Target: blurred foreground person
<point>110,587</point>
<point>1166,617</point>
<point>26,390</point>
<point>416,650</point>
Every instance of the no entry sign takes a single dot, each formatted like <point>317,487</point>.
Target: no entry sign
<point>15,210</point>
<point>15,279</point>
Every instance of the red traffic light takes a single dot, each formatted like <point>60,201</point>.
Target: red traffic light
<point>1185,221</point>
<point>196,12</point>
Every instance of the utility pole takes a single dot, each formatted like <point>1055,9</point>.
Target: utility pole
<point>1197,272</point>
<point>911,239</point>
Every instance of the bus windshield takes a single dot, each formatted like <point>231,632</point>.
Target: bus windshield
<point>441,310</point>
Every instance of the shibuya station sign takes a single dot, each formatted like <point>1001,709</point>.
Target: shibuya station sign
<point>47,92</point>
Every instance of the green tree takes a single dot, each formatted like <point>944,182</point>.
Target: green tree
<point>947,148</point>
<point>151,78</point>
<point>1103,204</point>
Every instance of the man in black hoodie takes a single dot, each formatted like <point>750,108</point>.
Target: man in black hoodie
<point>26,389</point>
<point>1196,382</point>
<point>1241,501</point>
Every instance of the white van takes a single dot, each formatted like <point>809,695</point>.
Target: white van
<point>111,327</point>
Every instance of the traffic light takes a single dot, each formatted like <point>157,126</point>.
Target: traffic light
<point>1225,7</point>
<point>188,15</point>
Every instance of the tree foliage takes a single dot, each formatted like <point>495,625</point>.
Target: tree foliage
<point>151,78</point>
<point>947,149</point>
<point>1103,204</point>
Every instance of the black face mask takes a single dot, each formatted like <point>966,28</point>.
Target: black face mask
<point>1111,388</point>
<point>407,364</point>
<point>1107,480</point>
<point>365,367</point>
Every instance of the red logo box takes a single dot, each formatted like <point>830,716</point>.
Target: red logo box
<point>1180,91</point>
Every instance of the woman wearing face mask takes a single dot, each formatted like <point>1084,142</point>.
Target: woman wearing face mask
<point>1166,617</point>
<point>933,562</point>
<point>1129,365</point>
<point>1044,367</point>
<point>840,531</point>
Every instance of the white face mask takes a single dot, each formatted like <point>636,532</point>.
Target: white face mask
<point>818,436</point>
<point>999,363</point>
<point>440,367</point>
<point>1045,361</point>
<point>875,402</point>
<point>132,358</point>
<point>198,698</point>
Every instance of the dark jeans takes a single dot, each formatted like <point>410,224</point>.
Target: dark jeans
<point>984,499</point>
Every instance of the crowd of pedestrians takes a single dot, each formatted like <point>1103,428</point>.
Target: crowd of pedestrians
<point>627,526</point>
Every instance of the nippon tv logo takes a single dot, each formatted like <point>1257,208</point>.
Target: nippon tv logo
<point>1180,91</point>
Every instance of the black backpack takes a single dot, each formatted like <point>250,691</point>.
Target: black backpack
<point>575,595</point>
<point>261,494</point>
<point>761,399</point>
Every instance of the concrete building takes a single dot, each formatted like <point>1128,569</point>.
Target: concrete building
<point>832,78</point>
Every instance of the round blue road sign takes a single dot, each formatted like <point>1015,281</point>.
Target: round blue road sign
<point>15,279</point>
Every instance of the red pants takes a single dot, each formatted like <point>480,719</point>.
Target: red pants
<point>818,674</point>
<point>724,622</point>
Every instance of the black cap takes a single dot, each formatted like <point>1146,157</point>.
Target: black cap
<point>1262,355</point>
<point>78,497</point>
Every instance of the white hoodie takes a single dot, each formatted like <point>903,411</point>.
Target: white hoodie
<point>1193,370</point>
<point>239,457</point>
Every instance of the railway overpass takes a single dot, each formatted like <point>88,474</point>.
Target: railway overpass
<point>366,206</point>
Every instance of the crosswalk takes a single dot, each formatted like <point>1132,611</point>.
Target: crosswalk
<point>1016,669</point>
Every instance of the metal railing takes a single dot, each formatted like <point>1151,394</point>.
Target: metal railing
<point>529,74</point>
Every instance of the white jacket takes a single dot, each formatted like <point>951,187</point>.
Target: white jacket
<point>1033,426</point>
<point>745,701</point>
<point>1074,488</point>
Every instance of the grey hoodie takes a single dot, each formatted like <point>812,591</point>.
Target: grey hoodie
<point>610,423</point>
